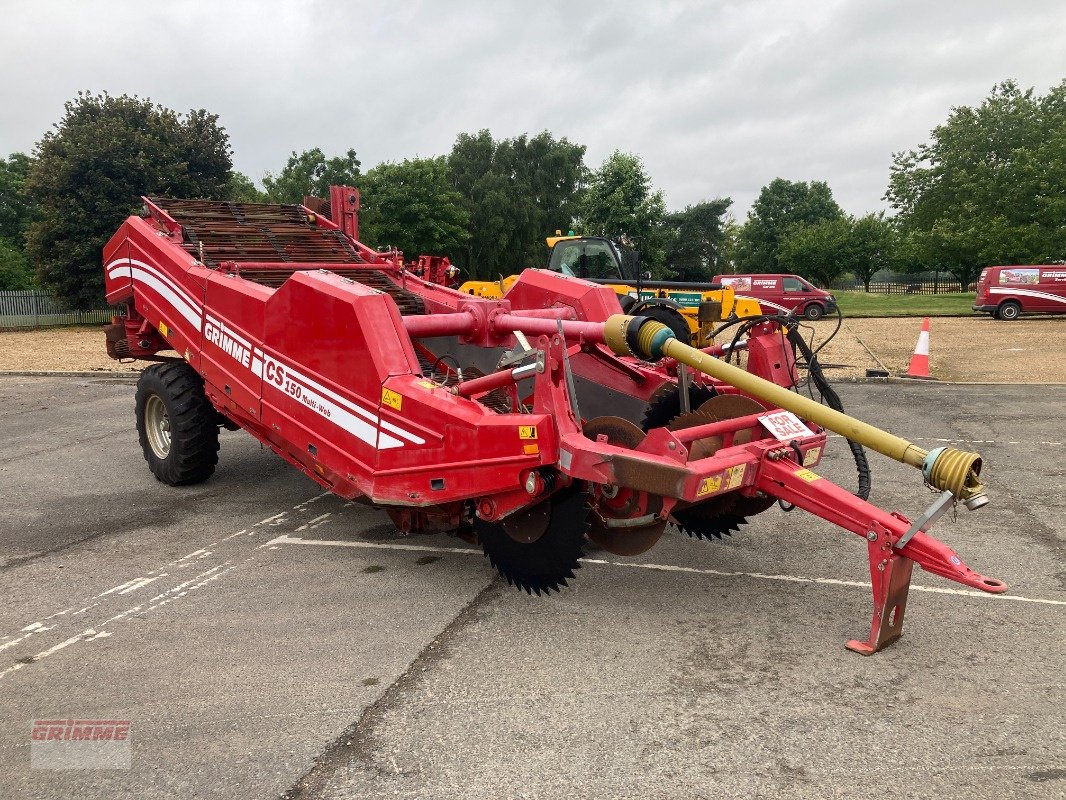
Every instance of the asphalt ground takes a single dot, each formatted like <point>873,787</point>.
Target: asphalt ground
<point>263,638</point>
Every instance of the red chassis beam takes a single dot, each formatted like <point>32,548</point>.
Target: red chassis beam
<point>890,567</point>
<point>766,467</point>
<point>659,465</point>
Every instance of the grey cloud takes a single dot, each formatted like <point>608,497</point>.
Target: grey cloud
<point>717,97</point>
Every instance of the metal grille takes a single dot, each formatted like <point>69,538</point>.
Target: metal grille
<point>216,231</point>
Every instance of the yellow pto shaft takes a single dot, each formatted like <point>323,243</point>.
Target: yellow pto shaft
<point>945,468</point>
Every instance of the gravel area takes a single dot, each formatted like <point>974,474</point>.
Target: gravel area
<point>977,349</point>
<point>59,350</point>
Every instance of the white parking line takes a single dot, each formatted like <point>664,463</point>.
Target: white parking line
<point>169,595</point>
<point>85,636</point>
<point>416,548</point>
<point>285,539</point>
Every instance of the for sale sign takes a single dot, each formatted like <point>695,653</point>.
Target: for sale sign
<point>785,426</point>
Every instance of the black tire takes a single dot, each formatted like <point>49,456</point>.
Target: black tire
<point>626,302</point>
<point>671,319</point>
<point>176,424</point>
<point>814,311</point>
<point>1009,310</point>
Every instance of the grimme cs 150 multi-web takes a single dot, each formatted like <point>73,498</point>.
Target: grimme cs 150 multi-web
<point>530,424</point>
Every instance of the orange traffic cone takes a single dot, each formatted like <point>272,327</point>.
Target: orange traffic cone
<point>919,367</point>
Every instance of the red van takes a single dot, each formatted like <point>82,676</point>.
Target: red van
<point>1009,292</point>
<point>781,294</point>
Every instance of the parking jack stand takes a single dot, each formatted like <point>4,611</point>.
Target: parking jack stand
<point>890,574</point>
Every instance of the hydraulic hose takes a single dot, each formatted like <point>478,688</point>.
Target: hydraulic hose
<point>832,399</point>
<point>944,468</point>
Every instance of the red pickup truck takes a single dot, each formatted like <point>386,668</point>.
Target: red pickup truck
<point>778,294</point>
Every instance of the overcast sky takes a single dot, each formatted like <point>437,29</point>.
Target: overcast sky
<point>718,98</point>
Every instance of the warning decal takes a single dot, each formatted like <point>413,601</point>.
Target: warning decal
<point>709,485</point>
<point>391,398</point>
<point>736,476</point>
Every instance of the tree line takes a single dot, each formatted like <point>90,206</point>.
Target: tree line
<point>989,187</point>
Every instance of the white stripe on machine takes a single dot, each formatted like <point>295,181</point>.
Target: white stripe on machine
<point>165,288</point>
<point>764,302</point>
<point>329,405</point>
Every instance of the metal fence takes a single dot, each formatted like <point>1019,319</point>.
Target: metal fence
<point>924,286</point>
<point>36,309</point>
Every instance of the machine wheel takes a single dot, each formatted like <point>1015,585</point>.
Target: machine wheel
<point>1009,310</point>
<point>671,319</point>
<point>814,311</point>
<point>176,424</point>
<point>538,549</point>
<point>626,302</point>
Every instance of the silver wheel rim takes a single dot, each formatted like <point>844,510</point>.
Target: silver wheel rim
<point>157,426</point>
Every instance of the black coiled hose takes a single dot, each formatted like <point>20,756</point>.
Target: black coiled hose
<point>832,399</point>
<point>829,396</point>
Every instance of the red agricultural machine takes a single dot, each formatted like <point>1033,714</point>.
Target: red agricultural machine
<point>530,424</point>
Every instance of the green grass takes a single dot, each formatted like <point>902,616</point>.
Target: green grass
<point>861,304</point>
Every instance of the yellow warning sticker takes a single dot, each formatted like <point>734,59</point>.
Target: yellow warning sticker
<point>807,475</point>
<point>531,449</point>
<point>527,431</point>
<point>736,476</point>
<point>709,485</point>
<point>163,329</point>
<point>427,384</point>
<point>812,456</point>
<point>391,398</point>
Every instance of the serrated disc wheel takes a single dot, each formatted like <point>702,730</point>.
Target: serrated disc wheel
<point>611,504</point>
<point>539,548</point>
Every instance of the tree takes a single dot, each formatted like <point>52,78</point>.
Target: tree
<point>14,205</point>
<point>310,173</point>
<point>873,247</point>
<point>728,259</point>
<point>90,171</point>
<point>515,192</point>
<point>240,189</point>
<point>781,205</point>
<point>15,270</point>
<point>620,202</point>
<point>988,186</point>
<point>824,251</point>
<point>413,206</point>
<point>820,252</point>
<point>696,239</point>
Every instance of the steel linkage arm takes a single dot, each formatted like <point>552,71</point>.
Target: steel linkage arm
<point>890,567</point>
